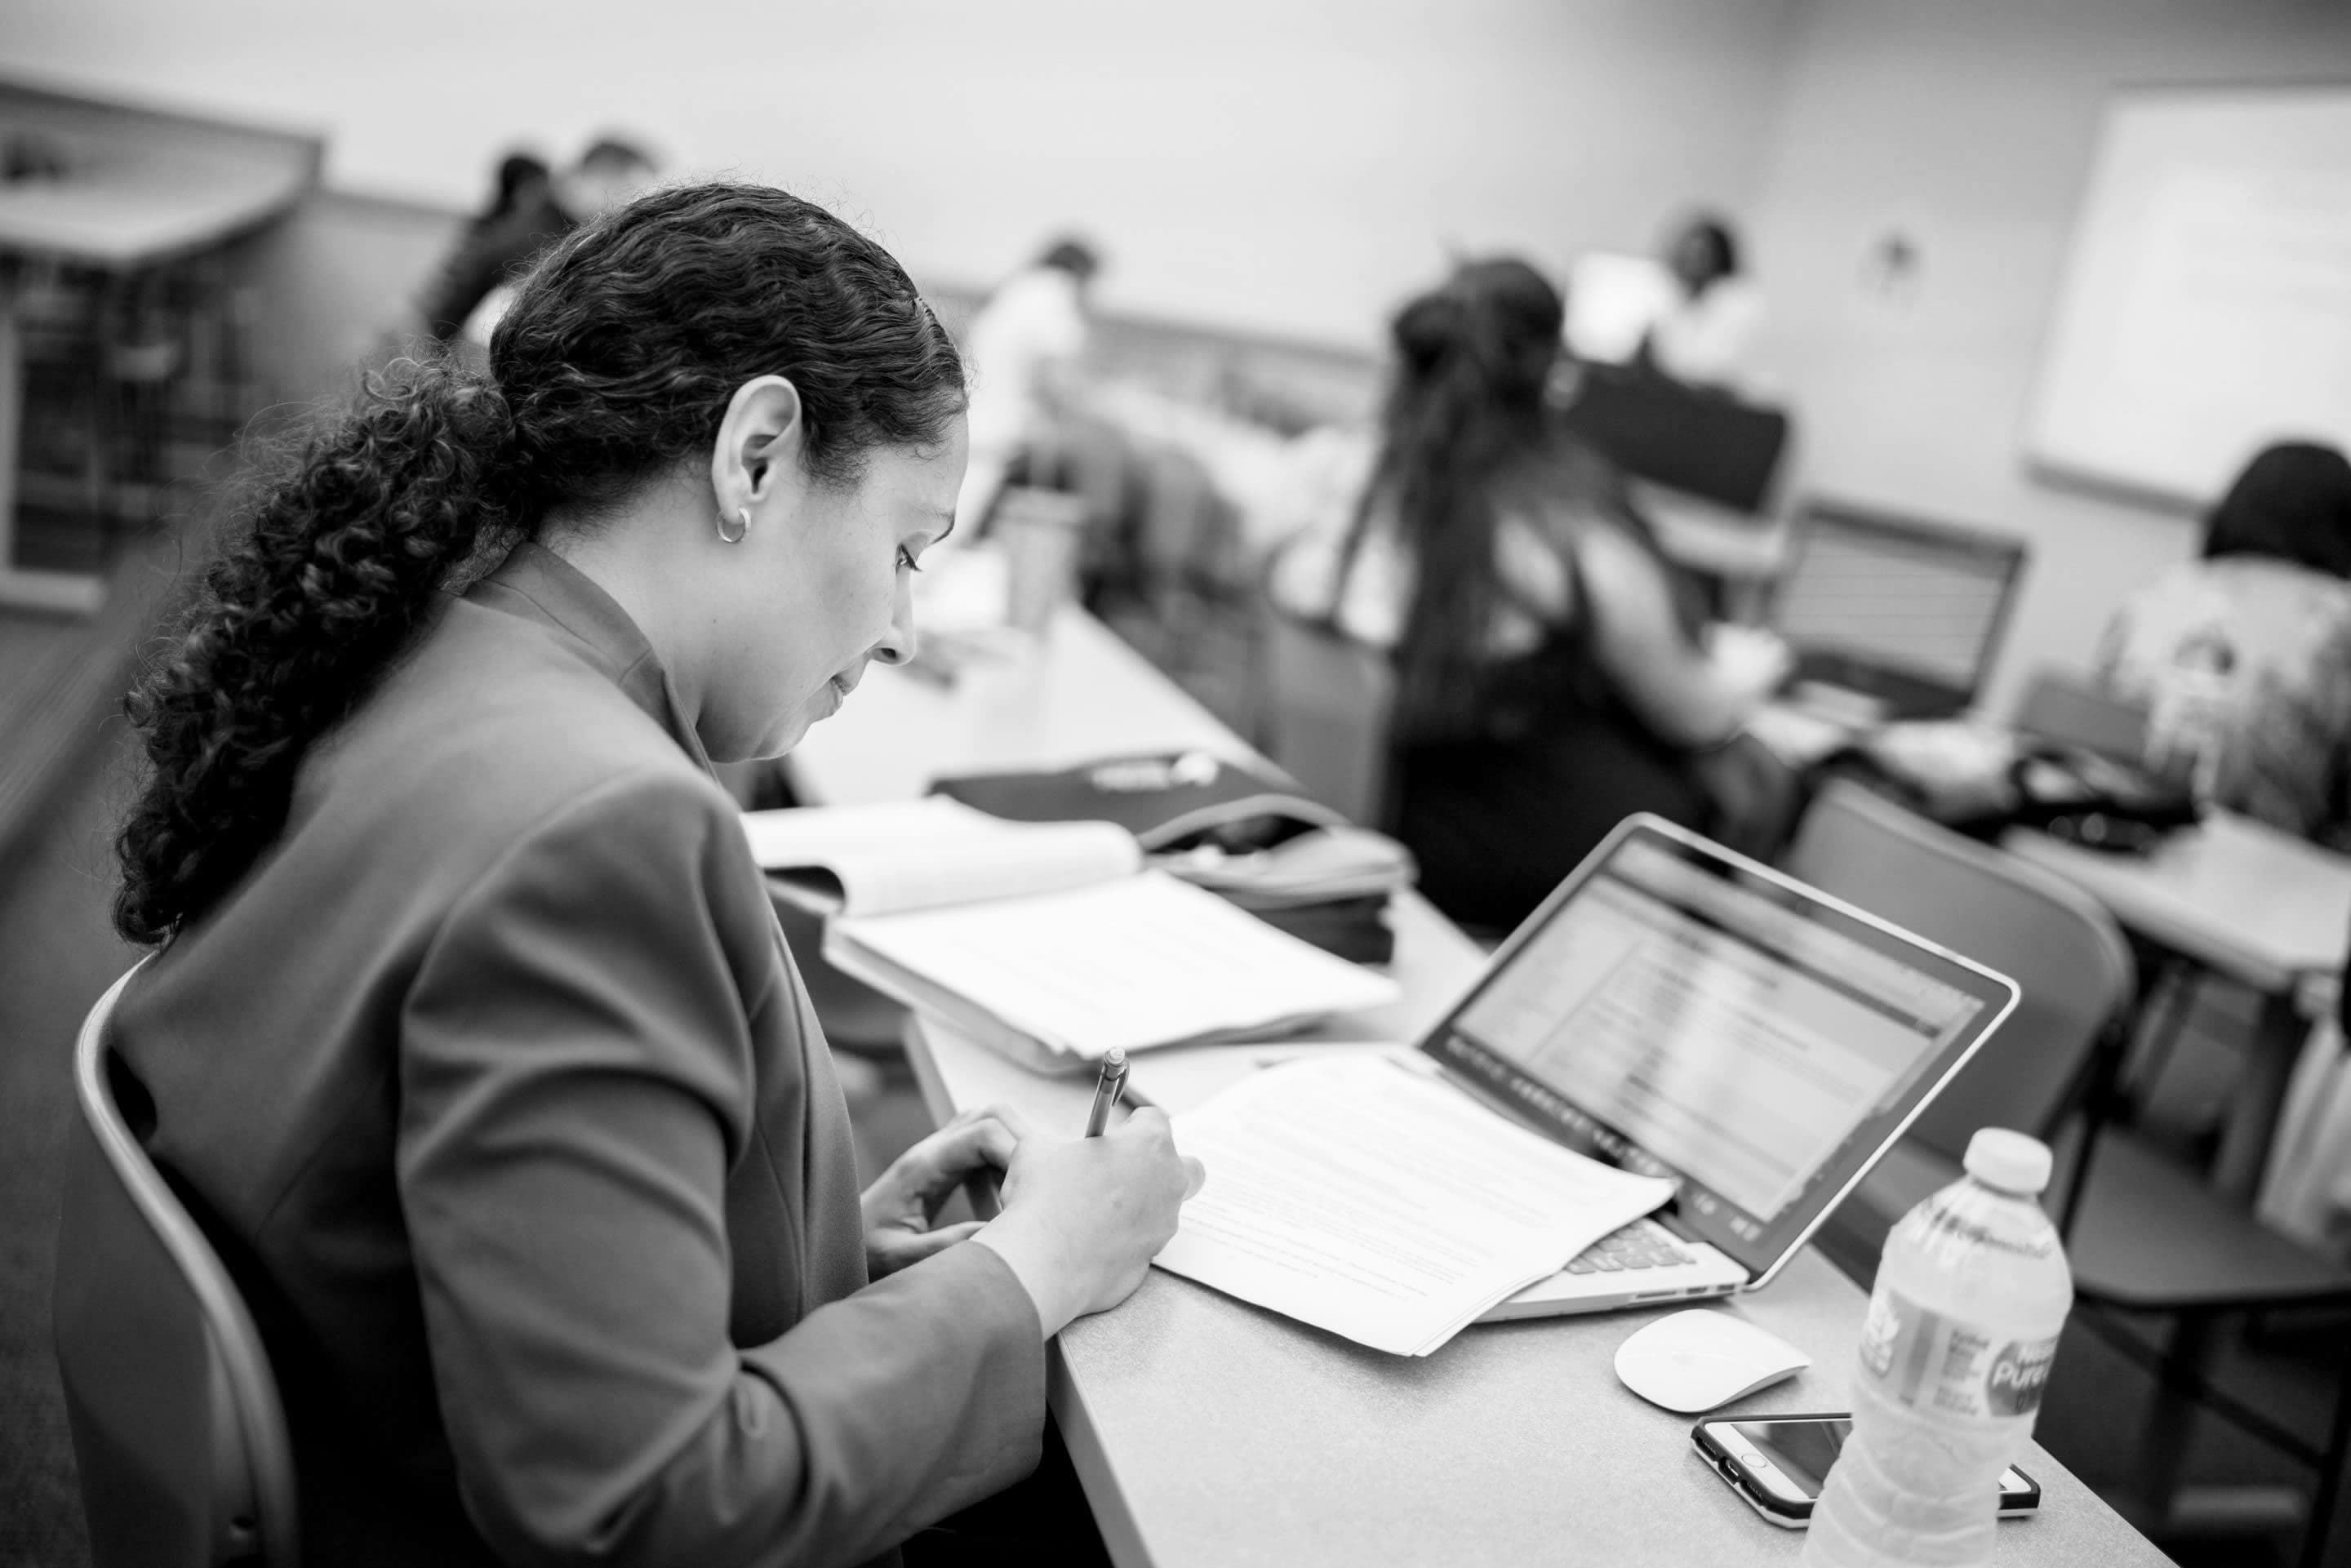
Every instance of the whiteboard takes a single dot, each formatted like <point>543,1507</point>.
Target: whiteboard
<point>2206,308</point>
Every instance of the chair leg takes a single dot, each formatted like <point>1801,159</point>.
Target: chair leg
<point>2163,1017</point>
<point>2171,1422</point>
<point>2330,1475</point>
<point>2207,1512</point>
<point>2101,1100</point>
<point>2260,1095</point>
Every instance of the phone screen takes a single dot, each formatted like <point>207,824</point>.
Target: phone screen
<point>1800,1450</point>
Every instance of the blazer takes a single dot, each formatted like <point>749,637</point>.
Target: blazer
<point>497,1084</point>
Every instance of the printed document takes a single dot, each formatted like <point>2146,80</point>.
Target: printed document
<point>1368,1197</point>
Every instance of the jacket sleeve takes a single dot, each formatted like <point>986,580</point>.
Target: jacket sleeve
<point>576,1084</point>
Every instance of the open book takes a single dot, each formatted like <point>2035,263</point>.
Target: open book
<point>1050,942</point>
<point>1361,1194</point>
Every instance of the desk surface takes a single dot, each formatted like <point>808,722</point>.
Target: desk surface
<point>1208,1432</point>
<point>2252,903</point>
<point>1213,1433</point>
<point>1079,695</point>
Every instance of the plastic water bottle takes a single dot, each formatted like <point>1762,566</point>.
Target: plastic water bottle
<point>1963,1327</point>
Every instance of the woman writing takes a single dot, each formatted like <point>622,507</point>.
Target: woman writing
<point>1553,674</point>
<point>469,1032</point>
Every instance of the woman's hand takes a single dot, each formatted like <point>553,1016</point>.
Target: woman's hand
<point>901,1207</point>
<point>1083,1216</point>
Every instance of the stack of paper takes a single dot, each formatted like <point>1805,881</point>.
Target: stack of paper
<point>1365,1195</point>
<point>1046,941</point>
<point>922,854</point>
<point>1056,979</point>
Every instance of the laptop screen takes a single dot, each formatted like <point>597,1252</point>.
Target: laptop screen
<point>1682,1012</point>
<point>1868,596</point>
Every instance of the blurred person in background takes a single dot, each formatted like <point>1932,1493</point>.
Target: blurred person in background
<point>1554,674</point>
<point>528,215</point>
<point>523,179</point>
<point>1707,328</point>
<point>2244,655</point>
<point>467,1027</point>
<point>1024,347</point>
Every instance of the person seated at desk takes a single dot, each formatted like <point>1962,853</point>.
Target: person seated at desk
<point>503,242</point>
<point>468,1029</point>
<point>1553,672</point>
<point>1024,345</point>
<point>523,179</point>
<point>1705,333</point>
<point>2244,655</point>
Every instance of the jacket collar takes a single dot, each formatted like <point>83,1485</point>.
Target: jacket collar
<point>539,585</point>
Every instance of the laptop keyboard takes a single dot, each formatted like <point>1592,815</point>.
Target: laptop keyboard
<point>1644,1244</point>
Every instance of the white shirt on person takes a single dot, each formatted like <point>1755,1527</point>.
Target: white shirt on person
<point>1707,341</point>
<point>1033,323</point>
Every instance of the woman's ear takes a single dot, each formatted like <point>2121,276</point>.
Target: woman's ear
<point>762,440</point>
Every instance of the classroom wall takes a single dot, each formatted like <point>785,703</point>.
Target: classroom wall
<point>337,281</point>
<point>1969,127</point>
<point>1294,166</point>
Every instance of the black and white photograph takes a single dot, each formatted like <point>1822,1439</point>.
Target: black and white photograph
<point>1269,784</point>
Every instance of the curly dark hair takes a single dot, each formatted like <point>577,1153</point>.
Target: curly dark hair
<point>617,359</point>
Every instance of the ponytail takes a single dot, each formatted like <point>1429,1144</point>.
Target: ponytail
<point>1472,359</point>
<point>294,624</point>
<point>615,364</point>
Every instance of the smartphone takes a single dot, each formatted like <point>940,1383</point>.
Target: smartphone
<point>1778,1463</point>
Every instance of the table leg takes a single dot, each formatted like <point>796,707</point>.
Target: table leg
<point>2169,1512</point>
<point>2258,1098</point>
<point>12,418</point>
<point>55,591</point>
<point>2171,1422</point>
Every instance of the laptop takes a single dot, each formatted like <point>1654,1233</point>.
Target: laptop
<point>1892,613</point>
<point>1679,1010</point>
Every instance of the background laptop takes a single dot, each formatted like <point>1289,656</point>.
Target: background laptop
<point>1679,1010</point>
<point>1903,613</point>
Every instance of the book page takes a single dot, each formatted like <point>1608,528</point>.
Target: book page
<point>1369,1197</point>
<point>918,855</point>
<point>1143,961</point>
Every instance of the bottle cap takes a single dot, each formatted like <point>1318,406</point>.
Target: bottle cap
<point>2009,1161</point>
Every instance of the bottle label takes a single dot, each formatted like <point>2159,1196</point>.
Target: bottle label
<point>1936,1365</point>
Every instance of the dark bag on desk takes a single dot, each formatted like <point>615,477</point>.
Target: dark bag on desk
<point>1291,861</point>
<point>2066,793</point>
<point>2097,802</point>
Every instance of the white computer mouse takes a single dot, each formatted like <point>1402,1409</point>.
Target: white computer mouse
<point>1699,1359</point>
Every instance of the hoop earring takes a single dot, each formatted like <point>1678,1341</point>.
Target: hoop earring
<point>737,538</point>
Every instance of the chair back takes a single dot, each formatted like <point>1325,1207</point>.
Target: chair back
<point>2066,954</point>
<point>2062,708</point>
<point>1326,722</point>
<point>177,1430</point>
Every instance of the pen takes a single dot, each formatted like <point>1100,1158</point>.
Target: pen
<point>1107,1089</point>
